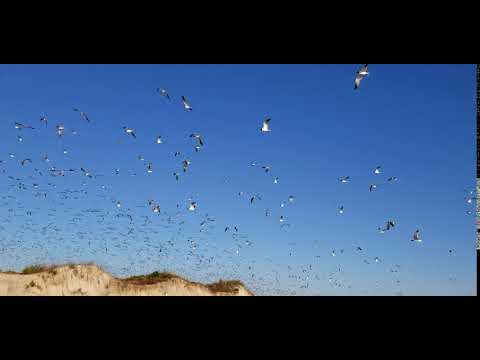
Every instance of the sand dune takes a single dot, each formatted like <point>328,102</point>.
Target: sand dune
<point>91,280</point>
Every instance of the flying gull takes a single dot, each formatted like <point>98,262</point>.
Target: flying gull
<point>416,236</point>
<point>82,114</point>
<point>390,224</point>
<point>163,93</point>
<point>253,198</point>
<point>60,130</point>
<point>362,73</point>
<point>186,164</point>
<point>20,126</point>
<point>86,172</point>
<point>192,206</point>
<point>186,104</point>
<point>198,137</point>
<point>266,125</point>
<point>129,131</point>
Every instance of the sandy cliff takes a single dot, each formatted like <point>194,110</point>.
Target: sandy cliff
<point>91,280</point>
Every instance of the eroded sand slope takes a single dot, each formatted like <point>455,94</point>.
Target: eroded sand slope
<point>73,280</point>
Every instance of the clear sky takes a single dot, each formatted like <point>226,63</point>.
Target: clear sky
<point>415,121</point>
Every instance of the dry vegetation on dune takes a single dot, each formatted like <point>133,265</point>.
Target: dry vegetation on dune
<point>39,268</point>
<point>150,279</point>
<point>226,286</point>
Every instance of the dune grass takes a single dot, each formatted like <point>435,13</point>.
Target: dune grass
<point>153,278</point>
<point>35,269</point>
<point>38,268</point>
<point>227,286</point>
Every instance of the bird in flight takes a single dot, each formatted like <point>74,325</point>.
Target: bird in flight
<point>44,120</point>
<point>82,114</point>
<point>266,125</point>
<point>392,178</point>
<point>192,206</point>
<point>361,74</point>
<point>470,199</point>
<point>344,179</point>
<point>252,199</point>
<point>198,137</point>
<point>186,104</point>
<point>186,164</point>
<point>377,170</point>
<point>159,140</point>
<point>60,130</point>
<point>21,126</point>
<point>163,93</point>
<point>390,225</point>
<point>86,172</point>
<point>24,161</point>
<point>372,187</point>
<point>416,236</point>
<point>129,131</point>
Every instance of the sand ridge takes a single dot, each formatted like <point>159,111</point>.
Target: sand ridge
<point>91,280</point>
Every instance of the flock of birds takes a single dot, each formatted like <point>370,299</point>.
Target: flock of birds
<point>101,229</point>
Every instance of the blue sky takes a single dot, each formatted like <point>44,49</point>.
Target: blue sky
<point>416,121</point>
